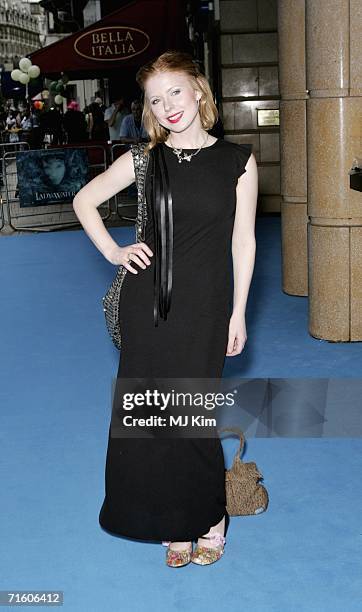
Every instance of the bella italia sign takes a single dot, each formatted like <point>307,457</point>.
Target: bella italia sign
<point>111,43</point>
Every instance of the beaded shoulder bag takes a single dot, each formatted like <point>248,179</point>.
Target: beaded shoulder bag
<point>111,298</point>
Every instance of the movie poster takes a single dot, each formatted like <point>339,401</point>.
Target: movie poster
<point>51,176</point>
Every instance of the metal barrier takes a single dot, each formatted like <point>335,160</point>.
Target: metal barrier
<point>5,148</point>
<point>2,218</point>
<point>12,147</point>
<point>127,198</point>
<point>47,217</point>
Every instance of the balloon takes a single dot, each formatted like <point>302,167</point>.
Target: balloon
<point>53,86</point>
<point>38,104</point>
<point>65,79</point>
<point>58,99</point>
<point>60,87</point>
<point>15,74</point>
<point>24,78</point>
<point>45,94</point>
<point>34,71</point>
<point>24,64</point>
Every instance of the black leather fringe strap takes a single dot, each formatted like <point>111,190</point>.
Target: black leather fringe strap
<point>163,235</point>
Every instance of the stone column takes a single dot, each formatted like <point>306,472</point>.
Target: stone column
<point>334,81</point>
<point>293,146</point>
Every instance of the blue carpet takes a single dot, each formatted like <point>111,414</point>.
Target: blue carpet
<point>57,366</point>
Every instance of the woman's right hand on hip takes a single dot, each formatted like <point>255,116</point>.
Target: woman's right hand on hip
<point>137,253</point>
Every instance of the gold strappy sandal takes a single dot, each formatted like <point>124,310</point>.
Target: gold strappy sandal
<point>205,555</point>
<point>177,558</point>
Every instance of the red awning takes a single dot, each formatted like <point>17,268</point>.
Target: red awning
<point>127,38</point>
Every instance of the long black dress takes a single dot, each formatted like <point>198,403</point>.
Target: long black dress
<point>167,489</point>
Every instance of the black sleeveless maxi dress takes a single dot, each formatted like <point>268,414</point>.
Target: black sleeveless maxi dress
<point>167,489</point>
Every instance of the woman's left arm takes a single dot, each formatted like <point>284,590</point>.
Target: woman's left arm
<point>243,253</point>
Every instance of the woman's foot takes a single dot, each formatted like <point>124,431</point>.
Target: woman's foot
<point>178,553</point>
<point>210,547</point>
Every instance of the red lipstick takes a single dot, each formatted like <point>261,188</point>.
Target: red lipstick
<point>175,118</point>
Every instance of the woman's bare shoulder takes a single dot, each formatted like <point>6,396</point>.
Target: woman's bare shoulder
<point>123,166</point>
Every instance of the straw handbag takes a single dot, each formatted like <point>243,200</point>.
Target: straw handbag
<point>243,493</point>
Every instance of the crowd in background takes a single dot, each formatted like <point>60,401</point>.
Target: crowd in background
<point>94,123</point>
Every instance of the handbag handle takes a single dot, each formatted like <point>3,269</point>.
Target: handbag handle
<point>239,433</point>
<point>140,165</point>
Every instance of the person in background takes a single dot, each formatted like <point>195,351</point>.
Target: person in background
<point>27,126</point>
<point>99,100</point>
<point>51,125</point>
<point>97,126</point>
<point>37,137</point>
<point>74,123</point>
<point>3,115</point>
<point>13,125</point>
<point>86,113</point>
<point>114,115</point>
<point>132,129</point>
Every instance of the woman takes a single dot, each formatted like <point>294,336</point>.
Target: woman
<point>174,490</point>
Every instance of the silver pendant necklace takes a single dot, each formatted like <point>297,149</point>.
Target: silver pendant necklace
<point>187,156</point>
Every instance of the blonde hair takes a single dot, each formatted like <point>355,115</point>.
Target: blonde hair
<point>175,61</point>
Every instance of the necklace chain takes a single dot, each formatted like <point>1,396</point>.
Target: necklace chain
<point>182,156</point>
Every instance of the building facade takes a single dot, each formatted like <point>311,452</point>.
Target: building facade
<point>21,26</point>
